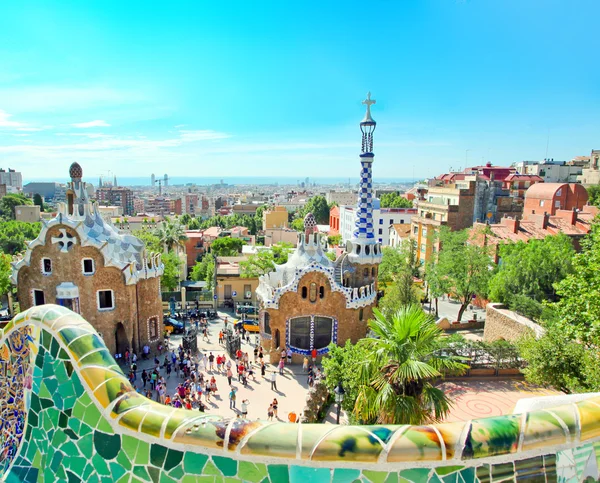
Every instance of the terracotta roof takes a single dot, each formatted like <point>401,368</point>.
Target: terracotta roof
<point>523,177</point>
<point>544,191</point>
<point>213,232</point>
<point>403,229</point>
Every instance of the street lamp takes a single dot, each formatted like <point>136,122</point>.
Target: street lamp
<point>339,398</point>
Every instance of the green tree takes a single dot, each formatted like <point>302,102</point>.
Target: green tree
<point>556,361</point>
<point>8,204</point>
<point>227,246</point>
<point>171,234</point>
<point>462,268</point>
<point>402,362</point>
<point>578,309</point>
<point>194,224</point>
<point>594,194</point>
<point>531,269</point>
<point>210,273</point>
<point>185,219</point>
<point>258,218</point>
<point>394,200</point>
<point>265,260</point>
<point>5,272</point>
<point>38,201</point>
<point>334,240</point>
<point>331,256</point>
<point>400,268</point>
<point>317,205</point>
<point>172,273</point>
<point>150,240</point>
<point>204,271</point>
<point>342,364</point>
<point>298,224</point>
<point>14,235</point>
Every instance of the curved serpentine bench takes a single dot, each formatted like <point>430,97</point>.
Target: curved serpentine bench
<point>70,414</point>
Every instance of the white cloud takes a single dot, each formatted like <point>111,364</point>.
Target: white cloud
<point>86,125</point>
<point>191,136</point>
<point>5,122</point>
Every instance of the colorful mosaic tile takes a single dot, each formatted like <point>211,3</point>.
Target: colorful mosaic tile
<point>69,414</point>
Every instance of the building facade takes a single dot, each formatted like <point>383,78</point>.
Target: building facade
<point>383,218</point>
<point>549,197</point>
<point>27,213</point>
<point>310,301</point>
<point>51,192</point>
<point>81,262</point>
<point>590,175</point>
<point>12,179</point>
<point>276,217</point>
<point>342,197</point>
<point>116,196</point>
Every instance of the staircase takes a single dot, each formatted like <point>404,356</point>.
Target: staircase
<point>338,273</point>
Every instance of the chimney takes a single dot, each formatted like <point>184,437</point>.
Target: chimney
<point>545,220</point>
<point>512,224</point>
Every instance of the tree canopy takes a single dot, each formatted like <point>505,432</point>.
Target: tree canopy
<point>227,246</point>
<point>171,234</point>
<point>5,271</point>
<point>152,242</point>
<point>394,200</point>
<point>172,274</point>
<point>8,204</point>
<point>402,360</point>
<point>400,268</point>
<point>15,234</point>
<point>265,260</point>
<point>204,271</point>
<point>594,194</point>
<point>461,268</point>
<point>38,201</point>
<point>531,269</point>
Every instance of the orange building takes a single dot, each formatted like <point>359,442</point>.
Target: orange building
<point>549,197</point>
<point>334,221</point>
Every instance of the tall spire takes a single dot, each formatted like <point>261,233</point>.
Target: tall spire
<point>364,246</point>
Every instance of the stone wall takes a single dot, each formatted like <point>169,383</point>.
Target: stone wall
<point>69,416</point>
<point>501,323</point>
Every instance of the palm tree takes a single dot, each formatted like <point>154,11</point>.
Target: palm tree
<point>171,234</point>
<point>405,357</point>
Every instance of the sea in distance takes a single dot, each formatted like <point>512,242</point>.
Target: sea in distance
<point>232,180</point>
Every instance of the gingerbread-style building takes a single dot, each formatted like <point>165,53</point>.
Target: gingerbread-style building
<point>80,261</point>
<point>310,301</point>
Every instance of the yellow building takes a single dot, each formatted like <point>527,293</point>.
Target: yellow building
<point>28,213</point>
<point>276,217</point>
<point>231,289</point>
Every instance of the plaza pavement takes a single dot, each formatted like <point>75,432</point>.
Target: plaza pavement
<point>292,387</point>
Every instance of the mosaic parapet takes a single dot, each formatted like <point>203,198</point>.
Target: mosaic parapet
<point>76,379</point>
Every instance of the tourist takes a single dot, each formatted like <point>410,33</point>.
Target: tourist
<point>270,413</point>
<point>313,354</point>
<point>220,337</point>
<point>289,355</point>
<point>201,406</point>
<point>275,405</point>
<point>273,381</point>
<point>168,400</point>
<point>205,362</point>
<point>127,356</point>
<point>213,385</point>
<point>144,377</point>
<point>211,362</point>
<point>146,351</point>
<point>255,354</point>
<point>169,369</point>
<point>292,417</point>
<point>134,358</point>
<point>148,393</point>
<point>132,377</point>
<point>310,380</point>
<point>251,373</point>
<point>283,354</point>
<point>281,364</point>
<point>305,364</point>
<point>153,379</point>
<point>229,376</point>
<point>263,368</point>
<point>232,398</point>
<point>207,391</point>
<point>245,403</point>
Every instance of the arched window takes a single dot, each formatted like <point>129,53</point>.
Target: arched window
<point>360,314</point>
<point>367,249</point>
<point>267,323</point>
<point>313,292</point>
<point>373,272</point>
<point>366,272</point>
<point>358,249</point>
<point>321,292</point>
<point>304,292</point>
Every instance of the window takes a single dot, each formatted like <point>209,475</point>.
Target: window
<point>381,231</point>
<point>402,222</point>
<point>367,250</point>
<point>423,247</point>
<point>366,272</point>
<point>557,204</point>
<point>247,291</point>
<point>424,232</point>
<point>380,221</point>
<point>391,222</point>
<point>415,230</point>
<point>105,300</point>
<point>323,331</point>
<point>267,323</point>
<point>304,292</point>
<point>559,192</point>
<point>300,333</point>
<point>381,240</point>
<point>360,314</point>
<point>88,266</point>
<point>38,297</point>
<point>313,292</point>
<point>153,328</point>
<point>541,202</point>
<point>321,292</point>
<point>373,272</point>
<point>46,266</point>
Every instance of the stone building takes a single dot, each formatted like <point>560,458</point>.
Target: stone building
<point>311,301</point>
<point>81,262</point>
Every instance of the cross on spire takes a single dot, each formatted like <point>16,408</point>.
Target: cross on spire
<point>368,102</point>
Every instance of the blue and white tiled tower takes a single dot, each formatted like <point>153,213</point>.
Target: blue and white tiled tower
<point>363,247</point>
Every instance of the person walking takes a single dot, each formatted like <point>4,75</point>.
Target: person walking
<point>313,355</point>
<point>144,377</point>
<point>270,413</point>
<point>274,380</point>
<point>232,398</point>
<point>275,405</point>
<point>289,355</point>
<point>305,364</point>
<point>245,403</point>
<point>229,376</point>
<point>281,364</point>
<point>262,368</point>
<point>211,361</point>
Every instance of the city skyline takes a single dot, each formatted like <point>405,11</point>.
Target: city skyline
<point>275,90</point>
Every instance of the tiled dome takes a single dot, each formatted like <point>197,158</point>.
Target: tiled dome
<point>76,171</point>
<point>310,223</point>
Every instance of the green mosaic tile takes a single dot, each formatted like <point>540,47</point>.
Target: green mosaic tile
<point>174,458</point>
<point>154,473</point>
<point>416,474</point>
<point>157,455</point>
<point>177,473</point>
<point>211,469</point>
<point>446,470</point>
<point>302,474</point>
<point>392,478</point>
<point>100,465</point>
<point>124,461</point>
<point>343,475</point>
<point>253,472</point>
<point>164,478</point>
<point>228,466</point>
<point>194,463</point>
<point>141,472</point>
<point>279,473</point>
<point>142,456</point>
<point>375,476</point>
<point>107,446</point>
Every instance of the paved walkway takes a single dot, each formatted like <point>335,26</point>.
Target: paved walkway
<point>291,392</point>
<point>480,398</point>
<point>449,309</point>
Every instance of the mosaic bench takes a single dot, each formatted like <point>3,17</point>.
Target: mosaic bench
<point>70,414</point>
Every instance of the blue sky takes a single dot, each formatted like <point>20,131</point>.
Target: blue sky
<point>274,88</point>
